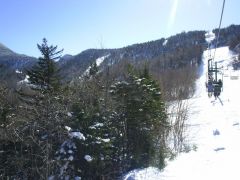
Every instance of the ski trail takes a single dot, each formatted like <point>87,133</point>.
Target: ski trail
<point>213,127</point>
<point>216,137</point>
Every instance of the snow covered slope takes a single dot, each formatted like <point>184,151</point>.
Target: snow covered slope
<point>214,128</point>
<point>98,61</point>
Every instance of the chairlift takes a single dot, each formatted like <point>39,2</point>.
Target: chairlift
<point>213,84</point>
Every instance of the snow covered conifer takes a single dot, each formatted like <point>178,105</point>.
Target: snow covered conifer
<point>143,121</point>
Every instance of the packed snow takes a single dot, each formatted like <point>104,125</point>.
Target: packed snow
<point>165,42</point>
<point>214,127</point>
<point>18,72</point>
<point>88,158</point>
<point>68,128</point>
<point>24,81</point>
<point>69,114</point>
<point>100,60</point>
<point>97,125</point>
<point>77,135</point>
<point>209,36</point>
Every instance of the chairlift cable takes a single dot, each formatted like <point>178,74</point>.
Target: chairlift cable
<point>213,85</point>
<point>219,29</point>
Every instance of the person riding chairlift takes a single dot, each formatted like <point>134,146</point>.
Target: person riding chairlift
<point>217,90</point>
<point>210,86</point>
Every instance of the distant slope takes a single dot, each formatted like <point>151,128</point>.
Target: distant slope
<point>13,60</point>
<point>228,36</point>
<point>10,62</point>
<point>190,45</point>
<point>4,51</point>
<point>175,52</point>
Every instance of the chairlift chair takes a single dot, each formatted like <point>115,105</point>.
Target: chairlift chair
<point>213,84</point>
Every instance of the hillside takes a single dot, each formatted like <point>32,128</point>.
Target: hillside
<point>4,51</point>
<point>10,62</point>
<point>175,52</point>
<point>187,46</point>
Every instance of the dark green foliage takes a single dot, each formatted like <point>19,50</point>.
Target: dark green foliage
<point>44,75</point>
<point>98,146</point>
<point>93,69</point>
<point>92,120</point>
<point>142,122</point>
<point>130,132</point>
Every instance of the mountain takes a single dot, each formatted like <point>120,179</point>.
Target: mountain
<point>12,59</point>
<point>174,52</point>
<point>189,45</point>
<point>229,36</point>
<point>10,62</point>
<point>4,51</point>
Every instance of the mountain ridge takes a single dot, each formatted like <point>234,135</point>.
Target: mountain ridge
<point>173,52</point>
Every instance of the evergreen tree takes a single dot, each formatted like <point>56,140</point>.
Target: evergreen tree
<point>44,75</point>
<point>92,120</point>
<point>93,69</point>
<point>41,115</point>
<point>142,122</point>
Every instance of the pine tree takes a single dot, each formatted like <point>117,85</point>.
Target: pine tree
<point>92,120</point>
<point>142,122</point>
<point>44,75</point>
<point>41,115</point>
<point>93,69</point>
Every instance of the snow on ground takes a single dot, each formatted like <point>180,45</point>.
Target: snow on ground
<point>24,81</point>
<point>98,61</point>
<point>88,158</point>
<point>77,135</point>
<point>101,59</point>
<point>165,42</point>
<point>18,72</point>
<point>214,126</point>
<point>209,36</point>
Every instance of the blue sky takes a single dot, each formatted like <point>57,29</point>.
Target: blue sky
<point>77,25</point>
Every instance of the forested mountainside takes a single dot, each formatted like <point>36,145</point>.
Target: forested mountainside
<point>175,52</point>
<point>178,50</point>
<point>229,36</point>
<point>11,61</point>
